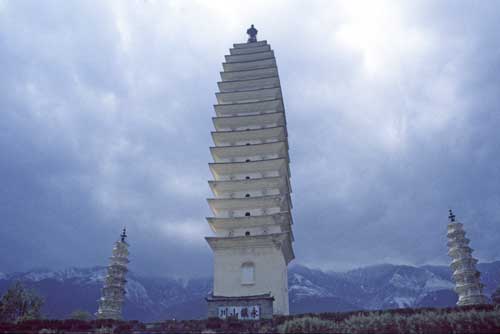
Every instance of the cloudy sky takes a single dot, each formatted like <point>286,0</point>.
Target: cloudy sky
<point>393,113</point>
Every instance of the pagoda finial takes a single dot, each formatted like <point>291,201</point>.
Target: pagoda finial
<point>451,216</point>
<point>124,234</point>
<point>252,32</point>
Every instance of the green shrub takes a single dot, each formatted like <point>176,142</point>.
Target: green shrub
<point>19,304</point>
<point>457,321</point>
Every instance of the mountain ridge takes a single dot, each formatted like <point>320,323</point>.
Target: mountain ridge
<point>310,290</point>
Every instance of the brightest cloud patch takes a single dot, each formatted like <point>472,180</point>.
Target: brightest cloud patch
<point>379,31</point>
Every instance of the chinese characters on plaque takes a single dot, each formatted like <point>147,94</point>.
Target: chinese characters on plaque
<point>240,312</point>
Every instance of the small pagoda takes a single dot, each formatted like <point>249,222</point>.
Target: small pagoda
<point>467,283</point>
<point>113,292</point>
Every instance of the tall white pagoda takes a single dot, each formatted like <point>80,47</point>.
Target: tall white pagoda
<point>467,283</point>
<point>113,292</point>
<point>251,204</point>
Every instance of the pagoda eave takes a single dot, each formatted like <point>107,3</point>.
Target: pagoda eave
<point>279,148</point>
<point>247,84</point>
<point>246,57</point>
<point>227,168</point>
<point>257,49</point>
<point>259,202</point>
<point>234,136</point>
<point>248,95</point>
<point>252,108</point>
<point>279,240</point>
<point>277,182</point>
<point>282,219</point>
<point>249,45</point>
<point>249,74</point>
<point>249,65</point>
<point>248,122</point>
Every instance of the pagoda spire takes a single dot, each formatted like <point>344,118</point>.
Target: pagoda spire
<point>252,34</point>
<point>113,291</point>
<point>124,234</point>
<point>467,283</point>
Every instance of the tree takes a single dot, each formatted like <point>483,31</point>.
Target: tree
<point>19,304</point>
<point>80,315</point>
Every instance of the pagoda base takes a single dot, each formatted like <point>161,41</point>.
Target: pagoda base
<point>242,307</point>
<point>473,300</point>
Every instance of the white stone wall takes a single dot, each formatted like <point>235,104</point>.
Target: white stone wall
<point>270,274</point>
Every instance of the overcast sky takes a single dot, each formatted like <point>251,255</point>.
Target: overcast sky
<point>393,111</point>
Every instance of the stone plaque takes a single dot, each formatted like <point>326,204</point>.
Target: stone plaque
<point>240,312</point>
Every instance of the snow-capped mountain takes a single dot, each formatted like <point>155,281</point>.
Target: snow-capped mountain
<point>311,290</point>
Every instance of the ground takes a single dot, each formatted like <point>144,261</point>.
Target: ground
<point>477,319</point>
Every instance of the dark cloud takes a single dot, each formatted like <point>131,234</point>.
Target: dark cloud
<point>106,116</point>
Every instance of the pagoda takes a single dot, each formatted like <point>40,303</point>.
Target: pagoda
<point>251,202</point>
<point>467,283</point>
<point>113,292</point>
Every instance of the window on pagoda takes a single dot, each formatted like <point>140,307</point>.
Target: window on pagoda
<point>247,273</point>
